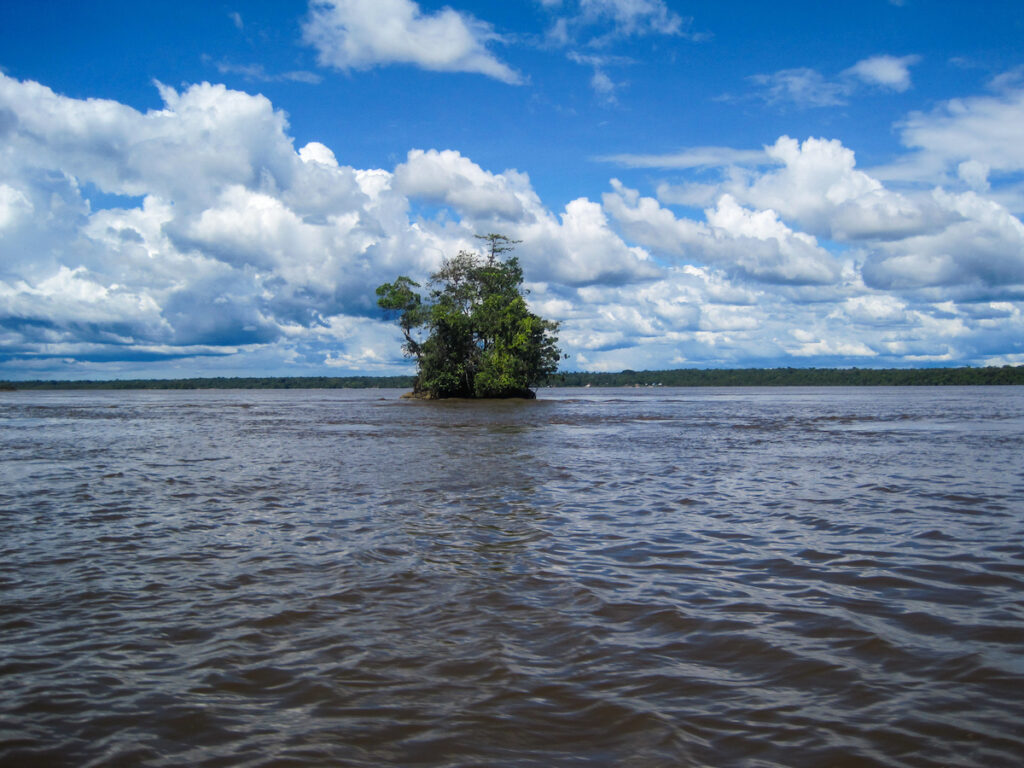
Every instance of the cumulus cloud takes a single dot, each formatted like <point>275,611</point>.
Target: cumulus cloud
<point>889,72</point>
<point>216,239</point>
<point>204,136</point>
<point>359,34</point>
<point>576,247</point>
<point>908,240</point>
<point>811,345</point>
<point>983,247</point>
<point>818,186</point>
<point>762,246</point>
<point>753,244</point>
<point>874,309</point>
<point>580,247</point>
<point>970,138</point>
<point>227,238</point>
<point>237,236</point>
<point>448,177</point>
<point>14,205</point>
<point>903,248</point>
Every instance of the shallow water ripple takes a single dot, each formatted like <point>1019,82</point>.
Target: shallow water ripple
<point>601,577</point>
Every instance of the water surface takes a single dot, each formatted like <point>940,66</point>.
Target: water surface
<point>658,577</point>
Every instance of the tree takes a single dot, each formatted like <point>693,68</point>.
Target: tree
<point>481,340</point>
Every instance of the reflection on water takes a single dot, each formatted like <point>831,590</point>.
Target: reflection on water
<point>599,577</point>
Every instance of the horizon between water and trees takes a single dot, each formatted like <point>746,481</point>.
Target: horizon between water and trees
<point>682,377</point>
<point>482,341</point>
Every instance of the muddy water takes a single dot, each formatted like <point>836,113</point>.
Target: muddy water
<point>661,577</point>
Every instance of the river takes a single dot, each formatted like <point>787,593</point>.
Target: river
<point>600,577</point>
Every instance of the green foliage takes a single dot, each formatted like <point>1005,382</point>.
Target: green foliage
<point>481,338</point>
<point>399,296</point>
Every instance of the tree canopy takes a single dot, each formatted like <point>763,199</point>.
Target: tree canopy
<point>474,335</point>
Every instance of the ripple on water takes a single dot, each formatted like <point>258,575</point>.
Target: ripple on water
<point>658,578</point>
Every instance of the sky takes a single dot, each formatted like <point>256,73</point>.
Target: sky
<point>216,188</point>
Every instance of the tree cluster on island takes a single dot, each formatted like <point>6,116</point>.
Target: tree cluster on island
<point>474,335</point>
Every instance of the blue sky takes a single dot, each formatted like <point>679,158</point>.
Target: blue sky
<point>197,188</point>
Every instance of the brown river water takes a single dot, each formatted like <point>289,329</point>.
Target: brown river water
<point>600,577</point>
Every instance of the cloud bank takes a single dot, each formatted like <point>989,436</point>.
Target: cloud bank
<point>199,236</point>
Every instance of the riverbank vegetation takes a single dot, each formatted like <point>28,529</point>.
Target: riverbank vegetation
<point>799,377</point>
<point>715,377</point>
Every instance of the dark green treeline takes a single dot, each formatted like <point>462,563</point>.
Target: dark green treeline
<point>800,377</point>
<point>743,377</point>
<point>269,382</point>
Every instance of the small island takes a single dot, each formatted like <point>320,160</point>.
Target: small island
<point>474,336</point>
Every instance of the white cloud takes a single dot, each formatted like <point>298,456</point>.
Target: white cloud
<point>603,84</point>
<point>75,297</point>
<point>229,245</point>
<point>874,309</point>
<point>448,177</point>
<point>237,238</point>
<point>253,229</point>
<point>752,244</point>
<point>982,131</point>
<point>257,73</point>
<point>983,246</point>
<point>13,205</point>
<point>801,86</point>
<point>577,247</point>
<point>315,152</point>
<point>810,346</point>
<point>590,25</point>
<point>359,34</point>
<point>580,247</point>
<point>763,247</point>
<point>598,22</point>
<point>889,72</point>
<point>239,241</point>
<point>204,136</point>
<point>600,81</point>
<point>975,174</point>
<point>910,240</point>
<point>806,87</point>
<point>634,16</point>
<point>694,157</point>
<point>818,186</point>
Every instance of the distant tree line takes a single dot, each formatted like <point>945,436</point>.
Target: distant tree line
<point>264,382</point>
<point>798,377</point>
<point>716,377</point>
